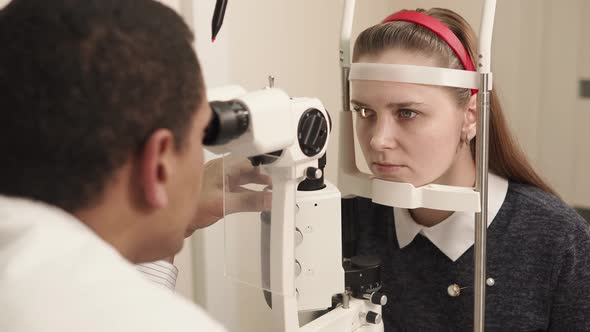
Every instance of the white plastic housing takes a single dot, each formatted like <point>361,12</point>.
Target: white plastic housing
<point>486,30</point>
<point>345,320</point>
<point>346,31</point>
<point>293,155</point>
<point>433,196</point>
<point>415,75</point>
<point>318,248</point>
<point>270,128</point>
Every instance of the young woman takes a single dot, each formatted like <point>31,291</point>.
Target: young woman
<point>538,249</point>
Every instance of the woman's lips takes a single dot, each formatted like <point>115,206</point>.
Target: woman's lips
<point>386,168</point>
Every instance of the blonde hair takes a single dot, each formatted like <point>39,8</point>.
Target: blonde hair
<point>506,158</point>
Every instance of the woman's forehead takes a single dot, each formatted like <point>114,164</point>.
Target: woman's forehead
<point>400,57</point>
<point>380,93</point>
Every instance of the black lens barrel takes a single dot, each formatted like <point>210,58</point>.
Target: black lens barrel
<point>229,120</point>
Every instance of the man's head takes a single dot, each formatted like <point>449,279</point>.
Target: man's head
<point>103,109</point>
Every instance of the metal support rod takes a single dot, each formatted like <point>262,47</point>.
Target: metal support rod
<point>481,218</point>
<point>345,89</point>
<point>346,299</point>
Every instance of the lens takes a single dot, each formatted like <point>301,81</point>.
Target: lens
<point>229,121</point>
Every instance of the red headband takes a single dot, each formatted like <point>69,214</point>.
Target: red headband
<point>440,29</point>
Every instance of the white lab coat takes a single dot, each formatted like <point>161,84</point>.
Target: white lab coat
<point>58,275</point>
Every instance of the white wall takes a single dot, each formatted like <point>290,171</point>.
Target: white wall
<point>557,120</point>
<point>582,116</point>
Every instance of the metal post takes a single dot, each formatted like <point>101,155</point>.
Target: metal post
<point>345,89</point>
<point>481,218</point>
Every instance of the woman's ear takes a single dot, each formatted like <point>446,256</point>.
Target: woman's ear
<point>156,164</point>
<point>470,118</point>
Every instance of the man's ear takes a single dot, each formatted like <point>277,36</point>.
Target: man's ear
<point>470,120</point>
<point>156,164</point>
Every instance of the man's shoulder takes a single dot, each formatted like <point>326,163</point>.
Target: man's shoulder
<point>145,306</point>
<point>100,292</point>
<point>99,306</point>
<point>57,275</point>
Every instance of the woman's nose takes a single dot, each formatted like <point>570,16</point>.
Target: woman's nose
<point>383,137</point>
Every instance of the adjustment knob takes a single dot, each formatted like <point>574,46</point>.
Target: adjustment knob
<point>313,173</point>
<point>298,237</point>
<point>365,261</point>
<point>373,318</point>
<point>312,132</point>
<point>363,275</point>
<point>376,298</point>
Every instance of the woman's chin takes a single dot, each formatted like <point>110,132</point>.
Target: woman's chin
<point>398,178</point>
<point>387,173</point>
<point>392,178</point>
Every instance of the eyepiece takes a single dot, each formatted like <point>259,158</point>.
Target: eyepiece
<point>230,119</point>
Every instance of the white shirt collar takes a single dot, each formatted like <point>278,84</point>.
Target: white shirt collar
<point>454,235</point>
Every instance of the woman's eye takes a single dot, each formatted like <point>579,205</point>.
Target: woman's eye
<point>364,113</point>
<point>407,114</point>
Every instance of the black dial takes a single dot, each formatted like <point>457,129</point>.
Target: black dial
<point>312,132</point>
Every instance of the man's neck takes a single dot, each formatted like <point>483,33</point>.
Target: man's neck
<point>112,229</point>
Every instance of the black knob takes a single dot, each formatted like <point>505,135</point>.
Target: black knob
<point>362,274</point>
<point>314,177</point>
<point>312,132</point>
<point>365,261</point>
<point>313,173</point>
<point>376,298</point>
<point>373,317</point>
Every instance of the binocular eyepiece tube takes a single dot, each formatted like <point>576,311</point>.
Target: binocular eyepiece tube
<point>230,119</point>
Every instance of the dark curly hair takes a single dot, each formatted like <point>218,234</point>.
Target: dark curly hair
<point>83,84</point>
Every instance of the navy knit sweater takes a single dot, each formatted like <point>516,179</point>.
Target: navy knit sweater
<point>538,253</point>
